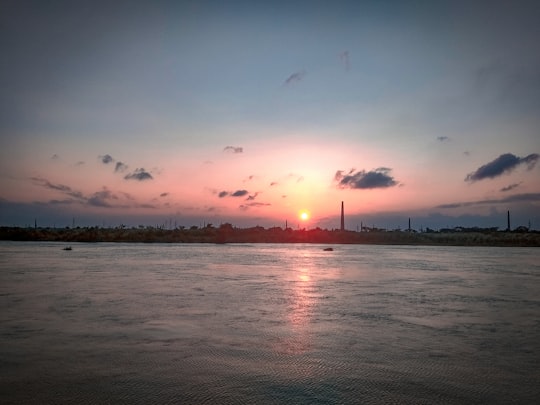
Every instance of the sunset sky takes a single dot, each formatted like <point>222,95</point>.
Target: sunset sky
<point>247,112</point>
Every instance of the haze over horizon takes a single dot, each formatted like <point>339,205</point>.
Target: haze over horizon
<point>250,113</point>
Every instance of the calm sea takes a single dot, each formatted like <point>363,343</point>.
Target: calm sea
<point>268,324</point>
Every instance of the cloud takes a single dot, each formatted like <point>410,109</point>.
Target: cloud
<point>58,187</point>
<point>233,149</point>
<point>344,56</point>
<point>120,167</point>
<point>528,197</point>
<point>106,159</point>
<point>101,198</point>
<point>274,183</point>
<point>510,187</point>
<point>164,194</point>
<point>239,193</point>
<point>503,164</point>
<point>79,163</point>
<point>139,175</point>
<point>252,197</point>
<point>55,157</point>
<point>295,77</point>
<point>253,204</point>
<point>378,178</point>
<point>443,138</point>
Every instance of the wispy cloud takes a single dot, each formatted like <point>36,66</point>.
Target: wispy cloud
<point>510,187</point>
<point>443,138</point>
<point>164,194</point>
<point>247,206</point>
<point>222,194</point>
<point>252,197</point>
<point>528,197</point>
<point>55,157</point>
<point>233,149</point>
<point>104,198</point>
<point>378,178</point>
<point>139,175</point>
<point>58,187</point>
<point>503,164</point>
<point>295,77</point>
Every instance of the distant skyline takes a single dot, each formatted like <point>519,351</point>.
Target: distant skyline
<point>252,113</point>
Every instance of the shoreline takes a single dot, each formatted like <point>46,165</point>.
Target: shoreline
<point>228,234</point>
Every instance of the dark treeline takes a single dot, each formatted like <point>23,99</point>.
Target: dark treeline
<point>226,233</point>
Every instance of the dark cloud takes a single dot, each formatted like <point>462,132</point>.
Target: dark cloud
<point>239,193</point>
<point>453,205</point>
<point>528,197</point>
<point>164,194</point>
<point>378,178</point>
<point>233,149</point>
<point>139,175</point>
<point>58,187</point>
<point>274,183</point>
<point>443,138</point>
<point>344,56</point>
<point>503,164</point>
<point>252,197</point>
<point>102,198</point>
<point>253,204</point>
<point>295,77</point>
<point>510,187</point>
<point>106,159</point>
<point>120,167</point>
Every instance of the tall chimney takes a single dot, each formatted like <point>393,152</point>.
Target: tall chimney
<point>342,217</point>
<point>508,220</point>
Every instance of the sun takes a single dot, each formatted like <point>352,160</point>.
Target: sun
<point>304,215</point>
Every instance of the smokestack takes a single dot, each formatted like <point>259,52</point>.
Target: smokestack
<point>508,220</point>
<point>342,217</point>
<point>409,224</point>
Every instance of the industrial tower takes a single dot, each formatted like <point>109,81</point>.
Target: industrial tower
<point>342,217</point>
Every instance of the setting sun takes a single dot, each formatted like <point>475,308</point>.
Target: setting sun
<point>304,215</point>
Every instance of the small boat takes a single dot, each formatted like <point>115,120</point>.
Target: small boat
<point>328,249</point>
<point>67,248</point>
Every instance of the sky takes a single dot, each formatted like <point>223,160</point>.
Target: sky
<point>250,113</point>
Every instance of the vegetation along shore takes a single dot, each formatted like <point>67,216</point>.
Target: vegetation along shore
<point>226,233</point>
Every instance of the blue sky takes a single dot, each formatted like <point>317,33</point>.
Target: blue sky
<point>397,108</point>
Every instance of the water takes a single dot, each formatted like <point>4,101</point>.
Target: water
<point>268,324</point>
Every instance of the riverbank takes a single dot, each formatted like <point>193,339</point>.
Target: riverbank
<point>229,234</point>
